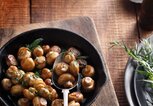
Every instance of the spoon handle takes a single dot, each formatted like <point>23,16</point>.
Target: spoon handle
<point>65,96</point>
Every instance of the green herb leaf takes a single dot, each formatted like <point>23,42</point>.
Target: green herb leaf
<point>35,43</point>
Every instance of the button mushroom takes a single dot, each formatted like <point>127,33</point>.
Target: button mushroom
<point>12,72</point>
<point>46,73</point>
<point>23,102</point>
<point>58,102</point>
<point>6,84</point>
<point>74,68</point>
<point>88,71</point>
<point>40,62</point>
<point>61,68</point>
<point>74,103</point>
<point>68,57</point>
<point>62,79</point>
<point>88,84</point>
<point>17,90</point>
<point>46,48</point>
<point>75,51</point>
<point>23,53</point>
<point>27,64</point>
<point>30,93</point>
<point>38,51</point>
<point>11,60</point>
<point>76,96</point>
<point>51,56</point>
<point>38,101</point>
<point>55,48</point>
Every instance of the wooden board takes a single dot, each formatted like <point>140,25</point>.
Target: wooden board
<point>83,26</point>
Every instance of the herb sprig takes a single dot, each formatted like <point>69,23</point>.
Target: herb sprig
<point>143,54</point>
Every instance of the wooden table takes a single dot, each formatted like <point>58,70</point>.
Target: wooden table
<point>114,20</point>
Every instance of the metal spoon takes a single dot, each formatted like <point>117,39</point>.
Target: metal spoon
<point>54,81</point>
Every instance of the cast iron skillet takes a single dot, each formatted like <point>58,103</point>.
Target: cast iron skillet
<point>64,39</point>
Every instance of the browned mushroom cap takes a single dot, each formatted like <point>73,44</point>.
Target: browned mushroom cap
<point>74,68</point>
<point>88,84</point>
<point>68,84</point>
<point>38,51</point>
<point>61,68</point>
<point>65,78</point>
<point>38,101</point>
<point>88,71</point>
<point>48,81</point>
<point>11,60</point>
<point>46,48</point>
<point>40,62</point>
<point>73,103</point>
<point>55,48</point>
<point>23,52</point>
<point>6,84</point>
<point>46,73</point>
<point>27,64</point>
<point>57,102</point>
<point>17,90</point>
<point>30,93</point>
<point>18,78</point>
<point>51,56</point>
<point>38,84</point>
<point>68,57</point>
<point>53,95</point>
<point>44,92</point>
<point>76,96</point>
<point>23,102</point>
<point>12,72</point>
<point>75,51</point>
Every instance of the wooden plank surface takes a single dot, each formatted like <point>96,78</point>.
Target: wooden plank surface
<point>14,12</point>
<point>114,19</point>
<point>83,26</point>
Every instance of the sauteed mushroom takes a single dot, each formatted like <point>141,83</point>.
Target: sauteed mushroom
<point>38,101</point>
<point>40,62</point>
<point>51,56</point>
<point>46,48</point>
<point>74,103</point>
<point>74,68</point>
<point>23,53</point>
<point>88,71</point>
<point>65,78</point>
<point>46,73</point>
<point>75,51</point>
<point>55,48</point>
<point>23,102</point>
<point>88,84</point>
<point>57,102</point>
<point>61,68</point>
<point>6,84</point>
<point>17,90</point>
<point>27,64</point>
<point>30,93</point>
<point>38,51</point>
<point>76,96</point>
<point>68,57</point>
<point>11,60</point>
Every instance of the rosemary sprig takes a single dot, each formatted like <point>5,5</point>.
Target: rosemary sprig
<point>35,43</point>
<point>143,54</point>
